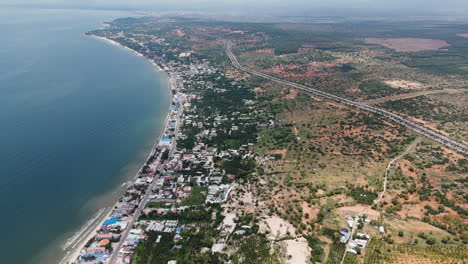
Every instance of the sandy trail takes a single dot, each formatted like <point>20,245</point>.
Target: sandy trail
<point>387,171</point>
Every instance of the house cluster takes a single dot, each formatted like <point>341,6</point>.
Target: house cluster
<point>200,134</point>
<point>356,243</point>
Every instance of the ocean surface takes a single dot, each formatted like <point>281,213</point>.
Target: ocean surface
<point>78,116</point>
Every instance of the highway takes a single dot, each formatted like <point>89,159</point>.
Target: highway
<point>396,118</point>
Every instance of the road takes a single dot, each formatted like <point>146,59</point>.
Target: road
<point>396,118</point>
<point>149,190</point>
<point>381,195</point>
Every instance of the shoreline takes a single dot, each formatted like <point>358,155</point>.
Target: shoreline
<point>113,42</point>
<point>74,251</point>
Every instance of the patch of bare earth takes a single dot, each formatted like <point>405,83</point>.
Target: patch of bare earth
<point>258,90</point>
<point>402,84</point>
<point>298,251</point>
<point>281,152</point>
<point>414,226</point>
<point>291,95</point>
<point>408,44</point>
<point>354,210</point>
<point>420,93</point>
<point>463,35</point>
<point>265,51</point>
<point>237,75</point>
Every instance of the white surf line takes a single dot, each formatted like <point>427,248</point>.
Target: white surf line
<point>115,43</point>
<point>77,235</point>
<point>76,238</point>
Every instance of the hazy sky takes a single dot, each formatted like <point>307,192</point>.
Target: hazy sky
<point>408,6</point>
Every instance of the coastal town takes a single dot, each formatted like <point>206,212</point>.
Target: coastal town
<point>182,181</point>
<point>228,180</point>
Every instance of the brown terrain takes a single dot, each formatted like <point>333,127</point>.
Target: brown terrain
<point>415,94</point>
<point>408,44</point>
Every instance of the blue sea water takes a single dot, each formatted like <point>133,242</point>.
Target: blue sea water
<point>77,118</point>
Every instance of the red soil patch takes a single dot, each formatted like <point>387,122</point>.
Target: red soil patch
<point>316,98</point>
<point>258,90</point>
<point>237,75</point>
<point>265,51</point>
<point>292,94</point>
<point>405,166</point>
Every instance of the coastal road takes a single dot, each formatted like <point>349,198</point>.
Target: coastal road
<point>149,190</point>
<point>135,216</point>
<point>396,118</point>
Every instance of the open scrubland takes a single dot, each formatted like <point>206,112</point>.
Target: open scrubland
<point>329,160</point>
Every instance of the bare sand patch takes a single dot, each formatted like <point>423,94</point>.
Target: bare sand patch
<point>463,35</point>
<point>228,225</point>
<point>299,251</point>
<point>408,44</point>
<point>402,84</point>
<point>277,227</point>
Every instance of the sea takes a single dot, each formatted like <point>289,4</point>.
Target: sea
<point>78,117</point>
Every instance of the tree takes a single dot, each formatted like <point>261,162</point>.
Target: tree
<point>165,155</point>
<point>430,241</point>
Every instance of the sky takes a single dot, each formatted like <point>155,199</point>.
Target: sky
<point>295,6</point>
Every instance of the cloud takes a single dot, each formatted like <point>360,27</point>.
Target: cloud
<point>259,5</point>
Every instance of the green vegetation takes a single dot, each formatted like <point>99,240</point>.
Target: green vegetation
<point>188,251</point>
<point>186,216</point>
<point>196,197</point>
<point>317,252</point>
<point>336,253</point>
<point>379,252</point>
<point>362,195</point>
<point>254,249</point>
<point>238,167</point>
<point>375,89</point>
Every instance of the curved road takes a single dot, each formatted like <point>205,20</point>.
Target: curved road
<point>396,118</point>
